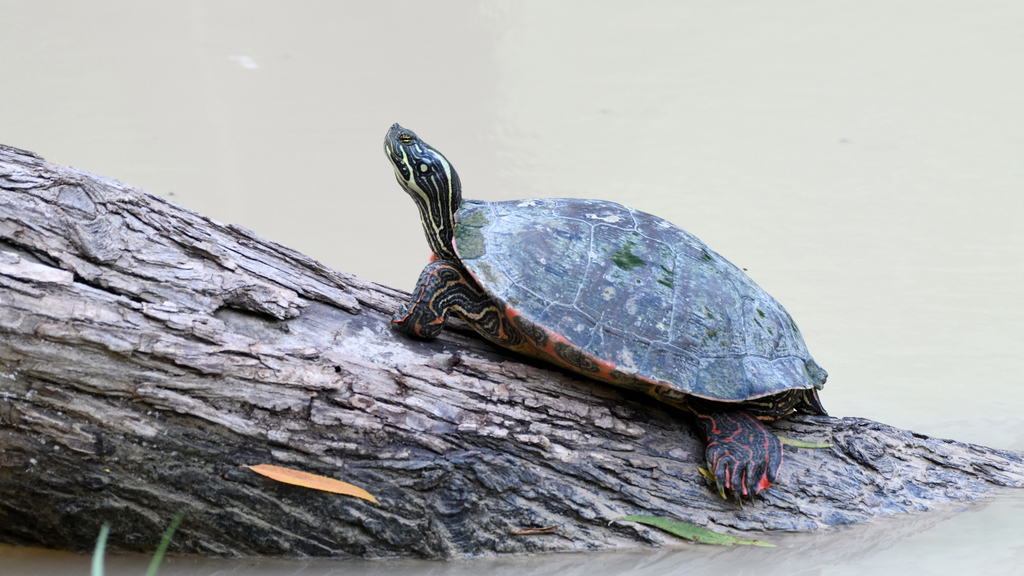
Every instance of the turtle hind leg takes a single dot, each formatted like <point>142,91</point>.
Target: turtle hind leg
<point>742,456</point>
<point>440,290</point>
<point>810,404</point>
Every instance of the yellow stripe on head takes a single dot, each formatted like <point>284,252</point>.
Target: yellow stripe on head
<point>427,176</point>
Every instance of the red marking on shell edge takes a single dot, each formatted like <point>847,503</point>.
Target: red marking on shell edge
<point>433,257</point>
<point>604,367</point>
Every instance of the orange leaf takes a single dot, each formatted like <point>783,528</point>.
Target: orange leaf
<point>299,478</point>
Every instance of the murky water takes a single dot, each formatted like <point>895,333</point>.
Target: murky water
<point>863,160</point>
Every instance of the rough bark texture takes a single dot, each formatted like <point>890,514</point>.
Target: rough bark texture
<point>148,353</point>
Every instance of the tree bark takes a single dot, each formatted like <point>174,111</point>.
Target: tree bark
<point>148,354</point>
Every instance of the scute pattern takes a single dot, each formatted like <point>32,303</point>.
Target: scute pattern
<point>633,290</point>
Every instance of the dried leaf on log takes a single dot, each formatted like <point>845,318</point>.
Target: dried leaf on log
<point>314,481</point>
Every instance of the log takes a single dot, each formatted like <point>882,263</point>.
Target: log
<point>149,354</point>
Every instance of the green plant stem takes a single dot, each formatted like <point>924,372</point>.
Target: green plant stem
<point>101,548</point>
<point>164,542</point>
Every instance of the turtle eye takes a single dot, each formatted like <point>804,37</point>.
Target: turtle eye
<point>405,138</point>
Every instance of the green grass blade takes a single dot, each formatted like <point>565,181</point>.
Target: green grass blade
<point>691,532</point>
<point>164,542</point>
<point>101,548</point>
<point>802,444</point>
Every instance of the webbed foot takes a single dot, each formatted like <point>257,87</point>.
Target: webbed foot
<point>743,457</point>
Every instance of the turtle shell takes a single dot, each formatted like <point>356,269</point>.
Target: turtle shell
<point>632,292</point>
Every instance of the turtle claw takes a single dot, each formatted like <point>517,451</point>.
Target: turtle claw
<point>706,473</point>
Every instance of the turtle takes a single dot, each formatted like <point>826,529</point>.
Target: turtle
<point>615,295</point>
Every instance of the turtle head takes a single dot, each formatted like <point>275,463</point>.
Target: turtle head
<point>427,176</point>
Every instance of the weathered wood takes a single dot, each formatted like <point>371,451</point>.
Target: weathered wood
<point>147,353</point>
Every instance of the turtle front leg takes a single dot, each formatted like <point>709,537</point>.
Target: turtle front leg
<point>441,290</point>
<point>742,455</point>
